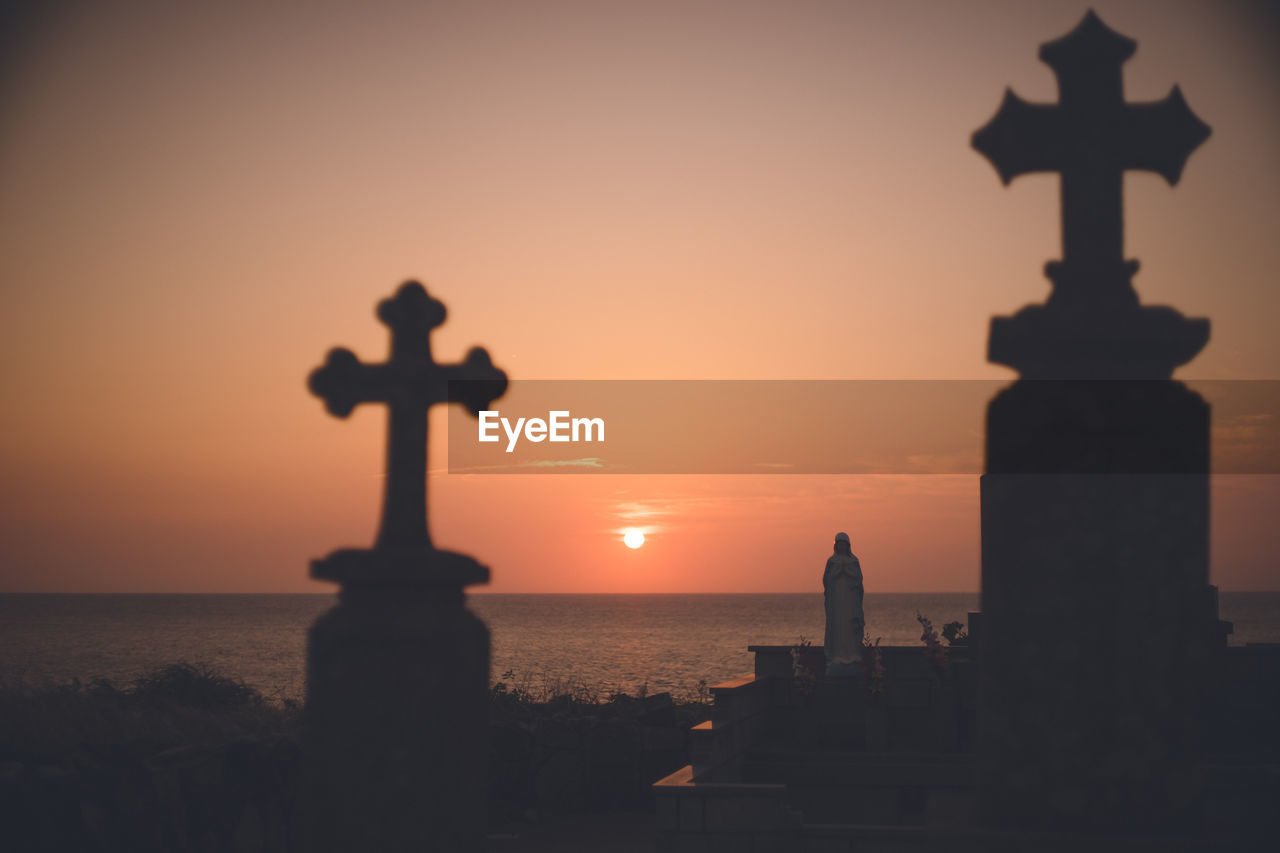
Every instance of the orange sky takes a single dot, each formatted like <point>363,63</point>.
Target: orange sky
<point>200,199</point>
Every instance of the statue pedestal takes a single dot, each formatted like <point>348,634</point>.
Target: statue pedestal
<point>396,716</point>
<point>844,670</point>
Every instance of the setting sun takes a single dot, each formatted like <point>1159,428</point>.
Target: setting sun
<point>633,538</point>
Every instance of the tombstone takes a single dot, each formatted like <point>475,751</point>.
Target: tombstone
<point>1095,497</point>
<point>395,722</point>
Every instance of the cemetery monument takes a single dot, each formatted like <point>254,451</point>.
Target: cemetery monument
<point>1094,640</point>
<point>395,726</point>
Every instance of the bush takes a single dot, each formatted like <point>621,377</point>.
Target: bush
<point>179,704</point>
<point>194,685</point>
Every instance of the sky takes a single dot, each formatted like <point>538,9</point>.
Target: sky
<point>198,200</point>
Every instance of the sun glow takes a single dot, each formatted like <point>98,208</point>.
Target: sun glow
<point>633,538</point>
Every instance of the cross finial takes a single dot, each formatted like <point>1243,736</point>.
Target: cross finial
<point>409,382</point>
<point>1091,136</point>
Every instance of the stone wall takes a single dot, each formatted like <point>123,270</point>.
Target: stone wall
<point>921,707</point>
<point>236,796</point>
<point>581,762</point>
<point>240,796</point>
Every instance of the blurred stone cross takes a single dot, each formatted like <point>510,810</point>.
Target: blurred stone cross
<point>409,382</point>
<point>1095,495</point>
<point>396,720</point>
<point>1091,136</point>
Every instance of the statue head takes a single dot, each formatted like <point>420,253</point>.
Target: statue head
<point>842,544</point>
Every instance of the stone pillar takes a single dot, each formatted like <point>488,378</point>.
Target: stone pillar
<point>395,727</point>
<point>1094,641</point>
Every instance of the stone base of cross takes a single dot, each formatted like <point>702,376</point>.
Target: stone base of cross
<point>1141,342</point>
<point>406,567</point>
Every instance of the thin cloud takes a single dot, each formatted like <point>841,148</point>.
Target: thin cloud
<point>638,510</point>
<point>584,462</point>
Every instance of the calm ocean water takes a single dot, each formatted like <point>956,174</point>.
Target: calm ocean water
<point>596,642</point>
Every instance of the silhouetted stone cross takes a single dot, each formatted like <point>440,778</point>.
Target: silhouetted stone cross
<point>1092,136</point>
<point>409,382</point>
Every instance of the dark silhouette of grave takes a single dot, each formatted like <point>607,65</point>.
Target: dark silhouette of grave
<point>1096,626</point>
<point>395,726</point>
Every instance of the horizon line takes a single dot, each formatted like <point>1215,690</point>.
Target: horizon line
<point>489,592</point>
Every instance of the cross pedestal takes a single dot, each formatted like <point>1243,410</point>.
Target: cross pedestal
<point>396,718</point>
<point>1095,502</point>
<point>1095,641</point>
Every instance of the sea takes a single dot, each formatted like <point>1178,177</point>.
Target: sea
<point>591,645</point>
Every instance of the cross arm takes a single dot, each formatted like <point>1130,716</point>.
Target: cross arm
<point>1161,135</point>
<point>343,382</point>
<point>475,383</point>
<point>1022,137</point>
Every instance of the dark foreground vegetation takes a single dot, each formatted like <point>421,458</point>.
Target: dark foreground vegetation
<point>184,758</point>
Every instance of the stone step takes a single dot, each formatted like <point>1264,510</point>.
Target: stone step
<point>880,789</point>
<point>903,774</point>
<point>838,838</point>
<point>773,750</point>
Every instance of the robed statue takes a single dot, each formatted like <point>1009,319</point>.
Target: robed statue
<point>842,587</point>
